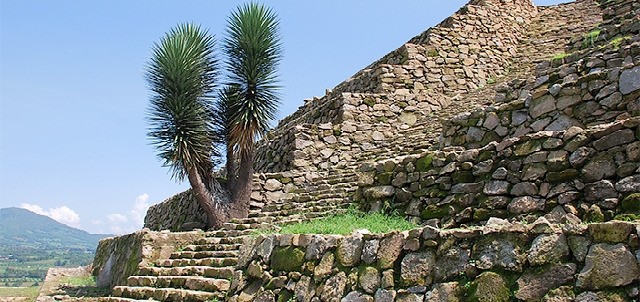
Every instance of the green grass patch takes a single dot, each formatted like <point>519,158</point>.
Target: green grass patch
<point>591,38</point>
<point>345,224</point>
<point>559,56</point>
<point>616,42</point>
<point>30,292</point>
<point>78,281</point>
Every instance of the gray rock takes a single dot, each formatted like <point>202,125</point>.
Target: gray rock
<point>524,188</point>
<point>451,263</point>
<point>608,266</point>
<point>370,251</point>
<point>408,118</point>
<point>303,290</point>
<point>317,247</point>
<point>560,294</point>
<point>265,248</point>
<point>630,80</point>
<point>579,246</point>
<point>600,190</point>
<point>323,269</point>
<point>409,297</point>
<point>491,121</point>
<point>617,138</point>
<point>568,100</point>
<point>500,173</point>
<point>334,288</point>
<point>475,134</point>
<point>525,204</point>
<point>501,252</point>
<point>533,285</point>
<point>542,105</point>
<point>416,268</point>
<point>444,292</point>
<point>465,188</point>
<point>548,249</point>
<point>490,287</point>
<point>356,296</point>
<point>611,232</point>
<point>349,250</point>
<point>496,187</point>
<point>599,297</point>
<point>629,184</point>
<point>518,117</point>
<point>379,192</point>
<point>563,123</point>
<point>579,157</point>
<point>600,167</point>
<point>369,279</point>
<point>383,295</point>
<point>389,251</point>
<point>272,185</point>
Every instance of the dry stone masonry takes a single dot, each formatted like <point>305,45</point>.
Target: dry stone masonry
<point>509,132</point>
<point>500,261</point>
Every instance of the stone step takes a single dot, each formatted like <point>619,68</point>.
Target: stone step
<point>215,262</point>
<point>220,241</point>
<point>185,282</point>
<point>165,294</point>
<point>227,233</point>
<point>204,271</point>
<point>202,254</point>
<point>212,247</point>
<point>121,299</point>
<point>251,220</point>
<point>299,212</point>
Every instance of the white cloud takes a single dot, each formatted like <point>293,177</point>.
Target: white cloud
<point>117,218</point>
<point>140,209</point>
<point>133,220</point>
<point>61,214</point>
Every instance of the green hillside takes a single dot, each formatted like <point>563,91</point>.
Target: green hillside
<point>23,228</point>
<point>31,243</point>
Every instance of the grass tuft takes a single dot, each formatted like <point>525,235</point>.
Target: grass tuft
<point>350,221</point>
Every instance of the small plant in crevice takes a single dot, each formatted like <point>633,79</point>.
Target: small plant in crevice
<point>559,56</point>
<point>590,39</point>
<point>491,81</point>
<point>617,42</point>
<point>369,101</point>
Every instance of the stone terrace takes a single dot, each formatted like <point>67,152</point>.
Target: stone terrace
<point>503,110</point>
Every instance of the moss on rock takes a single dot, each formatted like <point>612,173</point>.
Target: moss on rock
<point>631,204</point>
<point>288,259</point>
<point>488,287</point>
<point>423,164</point>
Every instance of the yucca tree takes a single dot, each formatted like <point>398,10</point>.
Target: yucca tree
<point>182,76</point>
<point>222,120</point>
<point>252,45</point>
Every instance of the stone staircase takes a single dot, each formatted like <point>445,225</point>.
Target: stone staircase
<point>202,271</point>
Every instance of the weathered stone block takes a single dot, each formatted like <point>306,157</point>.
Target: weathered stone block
<point>608,266</point>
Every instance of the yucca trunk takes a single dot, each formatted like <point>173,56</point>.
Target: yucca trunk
<point>243,185</point>
<point>216,213</point>
<point>231,168</point>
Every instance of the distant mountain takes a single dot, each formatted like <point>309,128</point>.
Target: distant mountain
<point>20,228</point>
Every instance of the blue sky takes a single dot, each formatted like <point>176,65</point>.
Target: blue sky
<point>73,97</point>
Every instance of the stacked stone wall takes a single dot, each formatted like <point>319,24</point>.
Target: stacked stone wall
<point>182,212</point>
<point>497,262</point>
<point>117,258</point>
<point>588,87</point>
<point>586,90</point>
<point>461,54</point>
<point>573,175</point>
